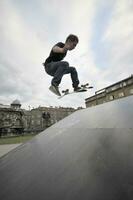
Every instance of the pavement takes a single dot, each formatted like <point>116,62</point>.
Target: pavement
<point>86,155</point>
<point>5,148</point>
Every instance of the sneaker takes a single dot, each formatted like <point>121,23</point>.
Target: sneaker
<point>55,90</point>
<point>77,89</point>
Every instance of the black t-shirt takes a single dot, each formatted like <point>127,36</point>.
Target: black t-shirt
<point>55,57</point>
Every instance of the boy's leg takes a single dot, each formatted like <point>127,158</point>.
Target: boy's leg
<point>74,77</point>
<point>51,68</point>
<point>65,69</point>
<point>61,69</point>
<point>58,69</point>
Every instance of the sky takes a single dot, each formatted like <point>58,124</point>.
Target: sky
<point>29,29</point>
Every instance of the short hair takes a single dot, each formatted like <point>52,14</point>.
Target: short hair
<point>72,38</point>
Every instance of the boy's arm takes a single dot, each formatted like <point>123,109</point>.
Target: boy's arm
<point>57,49</point>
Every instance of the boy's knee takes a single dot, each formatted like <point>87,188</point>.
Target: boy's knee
<point>64,63</point>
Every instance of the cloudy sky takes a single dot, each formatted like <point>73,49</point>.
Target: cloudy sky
<point>29,29</point>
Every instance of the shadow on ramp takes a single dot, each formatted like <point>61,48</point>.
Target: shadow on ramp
<point>88,155</point>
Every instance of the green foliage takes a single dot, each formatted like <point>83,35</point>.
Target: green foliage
<point>16,139</point>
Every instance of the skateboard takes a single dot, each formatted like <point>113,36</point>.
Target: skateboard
<point>84,88</point>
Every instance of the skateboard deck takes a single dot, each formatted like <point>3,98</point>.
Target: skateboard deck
<point>84,88</point>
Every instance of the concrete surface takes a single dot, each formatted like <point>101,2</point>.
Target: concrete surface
<point>88,155</point>
<point>5,148</point>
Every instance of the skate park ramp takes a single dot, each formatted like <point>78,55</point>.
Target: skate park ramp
<point>87,155</point>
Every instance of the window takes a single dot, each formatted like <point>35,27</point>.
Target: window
<point>130,81</point>
<point>115,87</point>
<point>38,122</point>
<point>121,85</point>
<point>111,97</point>
<point>121,94</point>
<point>124,83</point>
<point>131,91</point>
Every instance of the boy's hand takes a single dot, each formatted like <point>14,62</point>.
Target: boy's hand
<point>57,49</point>
<point>67,47</point>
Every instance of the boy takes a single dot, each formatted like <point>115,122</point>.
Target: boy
<point>55,67</point>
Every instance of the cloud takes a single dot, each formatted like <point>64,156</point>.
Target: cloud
<point>12,83</point>
<point>29,30</point>
<point>119,36</point>
<point>27,46</point>
<point>22,52</point>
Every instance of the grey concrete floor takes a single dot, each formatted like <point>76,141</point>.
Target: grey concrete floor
<point>87,155</point>
<point>5,148</point>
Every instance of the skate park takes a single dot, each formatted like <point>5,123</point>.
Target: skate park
<point>87,155</point>
<point>58,142</point>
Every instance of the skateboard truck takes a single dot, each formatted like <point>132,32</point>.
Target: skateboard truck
<point>65,91</point>
<point>86,86</point>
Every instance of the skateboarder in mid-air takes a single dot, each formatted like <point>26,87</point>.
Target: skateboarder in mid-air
<point>55,67</point>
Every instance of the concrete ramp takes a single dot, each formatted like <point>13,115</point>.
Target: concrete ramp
<point>86,156</point>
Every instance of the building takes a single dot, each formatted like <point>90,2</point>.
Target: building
<point>14,120</point>
<point>40,118</point>
<point>11,119</point>
<point>118,90</point>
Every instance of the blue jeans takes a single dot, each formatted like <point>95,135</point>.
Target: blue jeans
<point>58,69</point>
